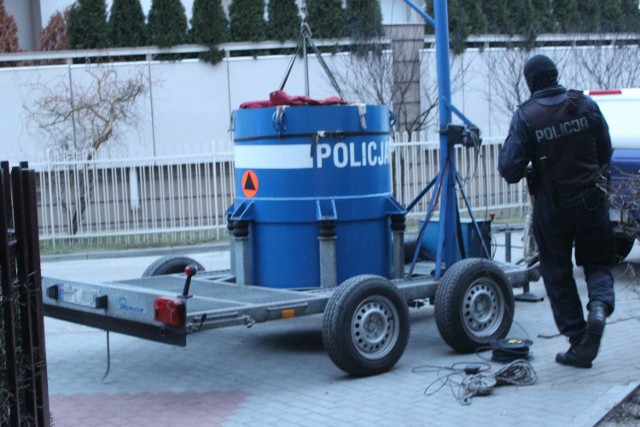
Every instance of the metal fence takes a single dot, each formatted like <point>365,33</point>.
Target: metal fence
<point>415,164</point>
<point>114,198</point>
<point>120,198</point>
<point>24,397</point>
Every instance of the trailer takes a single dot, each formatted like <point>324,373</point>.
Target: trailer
<point>366,319</point>
<point>314,229</point>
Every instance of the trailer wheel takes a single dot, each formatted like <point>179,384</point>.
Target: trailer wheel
<point>170,264</point>
<point>473,304</point>
<point>366,326</point>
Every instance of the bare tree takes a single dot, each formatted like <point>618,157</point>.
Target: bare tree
<point>407,85</point>
<point>369,76</point>
<point>81,117</point>
<point>460,67</point>
<point>603,63</point>
<point>506,81</point>
<point>605,66</point>
<point>55,36</point>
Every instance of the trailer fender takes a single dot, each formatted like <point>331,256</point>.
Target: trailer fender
<point>170,264</point>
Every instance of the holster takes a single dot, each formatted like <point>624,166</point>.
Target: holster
<point>532,185</point>
<point>545,182</point>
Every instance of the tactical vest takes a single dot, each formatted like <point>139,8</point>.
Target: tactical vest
<point>565,156</point>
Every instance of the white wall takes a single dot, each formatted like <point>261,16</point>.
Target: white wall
<point>191,101</point>
<point>470,91</point>
<point>483,79</point>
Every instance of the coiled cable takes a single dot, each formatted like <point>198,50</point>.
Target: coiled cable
<point>481,381</point>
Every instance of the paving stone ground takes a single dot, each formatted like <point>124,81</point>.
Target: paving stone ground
<point>277,373</point>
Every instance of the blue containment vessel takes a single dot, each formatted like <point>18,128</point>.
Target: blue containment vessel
<point>311,174</point>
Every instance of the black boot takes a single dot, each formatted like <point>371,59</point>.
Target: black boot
<point>588,349</point>
<point>570,357</point>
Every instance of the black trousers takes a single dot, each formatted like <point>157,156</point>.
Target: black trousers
<point>579,219</point>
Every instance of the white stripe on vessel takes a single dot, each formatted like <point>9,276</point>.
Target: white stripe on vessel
<point>294,156</point>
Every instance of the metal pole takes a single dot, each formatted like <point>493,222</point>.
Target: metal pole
<point>448,202</point>
<point>153,123</point>
<point>447,248</point>
<point>306,35</point>
<point>507,244</point>
<point>8,292</point>
<point>34,284</point>
<point>73,108</point>
<point>306,65</point>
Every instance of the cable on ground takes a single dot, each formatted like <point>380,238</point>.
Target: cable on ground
<point>475,379</point>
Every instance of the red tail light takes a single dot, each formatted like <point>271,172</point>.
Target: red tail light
<point>606,92</point>
<point>169,311</point>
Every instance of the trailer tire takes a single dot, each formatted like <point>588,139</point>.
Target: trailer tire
<point>474,305</point>
<point>170,264</point>
<point>366,326</point>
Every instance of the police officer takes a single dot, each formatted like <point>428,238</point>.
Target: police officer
<point>565,137</point>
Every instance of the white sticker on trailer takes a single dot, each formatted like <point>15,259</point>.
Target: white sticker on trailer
<point>78,295</point>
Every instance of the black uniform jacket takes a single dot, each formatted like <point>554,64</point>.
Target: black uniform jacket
<point>525,138</point>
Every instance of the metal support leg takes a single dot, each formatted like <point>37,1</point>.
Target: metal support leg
<point>232,245</point>
<point>327,242</point>
<point>526,295</point>
<point>108,358</point>
<point>398,225</point>
<point>242,253</point>
<point>507,245</point>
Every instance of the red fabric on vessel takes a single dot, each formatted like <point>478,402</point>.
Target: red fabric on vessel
<point>279,97</point>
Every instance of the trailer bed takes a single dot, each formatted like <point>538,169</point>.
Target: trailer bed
<point>214,301</point>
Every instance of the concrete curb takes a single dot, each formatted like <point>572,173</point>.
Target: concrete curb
<point>604,404</point>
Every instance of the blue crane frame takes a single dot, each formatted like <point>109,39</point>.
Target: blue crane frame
<point>447,178</point>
